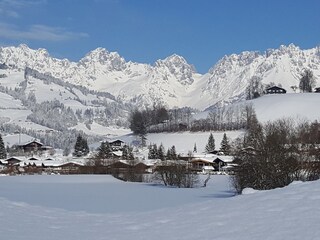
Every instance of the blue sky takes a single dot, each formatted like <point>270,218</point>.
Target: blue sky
<point>202,31</point>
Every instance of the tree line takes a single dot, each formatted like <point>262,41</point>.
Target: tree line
<point>275,154</point>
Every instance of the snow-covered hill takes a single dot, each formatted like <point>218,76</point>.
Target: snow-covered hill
<point>271,107</point>
<point>299,107</point>
<point>172,81</point>
<point>33,101</point>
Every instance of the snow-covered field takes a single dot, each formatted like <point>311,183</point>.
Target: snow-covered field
<point>101,207</point>
<point>298,106</point>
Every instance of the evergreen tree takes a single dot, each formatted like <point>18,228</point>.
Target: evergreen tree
<point>130,153</point>
<point>161,152</point>
<point>85,146</point>
<point>195,148</point>
<point>211,144</point>
<point>3,153</point>
<point>171,153</point>
<point>81,147</point>
<point>153,151</point>
<point>150,153</point>
<point>168,155</point>
<point>225,145</point>
<point>127,153</point>
<point>104,151</point>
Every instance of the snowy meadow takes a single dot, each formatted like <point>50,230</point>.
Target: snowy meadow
<point>101,207</point>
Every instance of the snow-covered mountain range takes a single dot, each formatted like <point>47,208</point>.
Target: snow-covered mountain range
<point>171,81</point>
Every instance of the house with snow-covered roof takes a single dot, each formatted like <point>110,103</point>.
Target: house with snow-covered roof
<point>116,144</point>
<point>275,90</point>
<point>211,163</point>
<point>32,146</point>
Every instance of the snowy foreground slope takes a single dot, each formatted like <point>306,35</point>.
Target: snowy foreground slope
<point>203,213</point>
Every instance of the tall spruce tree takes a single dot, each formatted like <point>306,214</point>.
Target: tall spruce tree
<point>171,153</point>
<point>153,151</point>
<point>225,145</point>
<point>81,147</point>
<point>3,153</point>
<point>195,148</point>
<point>104,151</point>
<point>211,144</point>
<point>161,154</point>
<point>127,153</point>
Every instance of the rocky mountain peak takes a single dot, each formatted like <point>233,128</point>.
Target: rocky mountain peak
<point>179,67</point>
<point>110,60</point>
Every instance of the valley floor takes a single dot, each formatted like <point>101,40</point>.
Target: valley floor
<point>101,207</point>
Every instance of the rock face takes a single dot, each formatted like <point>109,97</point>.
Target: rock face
<point>171,81</point>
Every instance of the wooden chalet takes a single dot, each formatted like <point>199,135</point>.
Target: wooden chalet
<point>141,168</point>
<point>275,90</point>
<point>209,164</point>
<point>32,146</point>
<point>117,144</point>
<point>198,164</point>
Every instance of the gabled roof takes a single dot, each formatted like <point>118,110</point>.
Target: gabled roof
<point>33,141</point>
<point>275,88</point>
<point>116,140</point>
<point>226,159</point>
<point>13,159</point>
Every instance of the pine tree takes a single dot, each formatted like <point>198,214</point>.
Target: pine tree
<point>130,153</point>
<point>78,147</point>
<point>125,152</point>
<point>150,153</point>
<point>85,147</point>
<point>3,153</point>
<point>104,151</point>
<point>225,145</point>
<point>168,155</point>
<point>211,144</point>
<point>161,152</point>
<point>81,147</point>
<point>153,151</point>
<point>195,148</point>
<point>173,153</point>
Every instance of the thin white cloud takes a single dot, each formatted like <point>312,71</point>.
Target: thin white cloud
<point>38,32</point>
<point>20,3</point>
<point>10,8</point>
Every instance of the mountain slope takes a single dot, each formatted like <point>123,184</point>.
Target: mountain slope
<point>172,81</point>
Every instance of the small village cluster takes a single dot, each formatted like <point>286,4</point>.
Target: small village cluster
<point>40,159</point>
